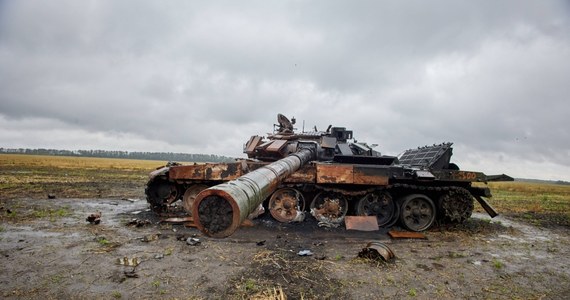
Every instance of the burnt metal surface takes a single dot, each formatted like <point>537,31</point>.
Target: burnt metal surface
<point>377,251</point>
<point>361,223</point>
<point>332,175</point>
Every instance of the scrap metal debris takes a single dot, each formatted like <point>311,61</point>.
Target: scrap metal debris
<point>150,238</point>
<point>376,251</point>
<point>138,223</point>
<point>130,262</point>
<point>406,235</point>
<point>362,223</point>
<point>305,253</point>
<point>193,241</point>
<point>94,218</point>
<point>257,212</point>
<point>177,220</point>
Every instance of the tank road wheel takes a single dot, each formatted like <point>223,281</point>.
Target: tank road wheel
<point>329,207</point>
<point>380,205</point>
<point>286,204</point>
<point>159,193</point>
<point>456,205</point>
<point>190,194</point>
<point>417,212</point>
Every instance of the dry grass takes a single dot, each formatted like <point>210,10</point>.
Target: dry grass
<point>36,176</point>
<point>541,203</point>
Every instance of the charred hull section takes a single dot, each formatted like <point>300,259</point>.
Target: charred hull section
<point>327,175</point>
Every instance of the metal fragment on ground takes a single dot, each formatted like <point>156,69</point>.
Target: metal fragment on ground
<point>305,253</point>
<point>406,235</point>
<point>150,238</point>
<point>192,241</point>
<point>177,220</point>
<point>94,218</point>
<point>376,251</point>
<point>138,223</point>
<point>126,261</point>
<point>362,223</point>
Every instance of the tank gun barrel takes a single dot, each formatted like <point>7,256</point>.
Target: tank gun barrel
<point>218,211</point>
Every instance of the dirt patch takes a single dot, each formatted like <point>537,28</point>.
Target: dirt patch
<point>48,250</point>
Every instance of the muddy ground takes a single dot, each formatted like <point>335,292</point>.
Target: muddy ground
<point>49,251</point>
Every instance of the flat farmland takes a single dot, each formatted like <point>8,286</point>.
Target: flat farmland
<point>49,251</point>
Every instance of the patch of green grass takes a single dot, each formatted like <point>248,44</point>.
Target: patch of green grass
<point>52,214</point>
<point>497,264</point>
<point>56,279</point>
<point>156,283</point>
<point>338,257</point>
<point>250,285</point>
<point>412,292</point>
<point>116,295</point>
<point>102,241</point>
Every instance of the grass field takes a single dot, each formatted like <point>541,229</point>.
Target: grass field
<point>80,177</point>
<point>36,176</point>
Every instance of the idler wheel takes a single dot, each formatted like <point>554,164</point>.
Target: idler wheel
<point>377,204</point>
<point>190,195</point>
<point>160,192</point>
<point>286,204</point>
<point>417,212</point>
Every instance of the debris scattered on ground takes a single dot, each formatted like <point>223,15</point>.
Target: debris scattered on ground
<point>406,235</point>
<point>138,223</point>
<point>256,213</point>
<point>305,253</point>
<point>51,196</point>
<point>377,251</point>
<point>94,218</point>
<point>177,220</point>
<point>150,238</point>
<point>362,223</point>
<point>126,261</point>
<point>260,243</point>
<point>193,241</point>
<point>130,200</point>
<point>131,274</point>
<point>247,223</point>
<point>159,256</point>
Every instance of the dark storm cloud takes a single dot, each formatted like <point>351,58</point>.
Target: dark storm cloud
<point>201,77</point>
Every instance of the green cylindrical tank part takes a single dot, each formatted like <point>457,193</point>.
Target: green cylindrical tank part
<point>218,211</point>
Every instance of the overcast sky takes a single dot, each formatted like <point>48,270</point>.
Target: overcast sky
<point>199,77</point>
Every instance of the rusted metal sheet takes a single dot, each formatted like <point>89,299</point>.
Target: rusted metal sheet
<point>276,146</point>
<point>465,176</point>
<point>362,223</point>
<point>252,143</point>
<point>335,173</point>
<point>370,175</point>
<point>307,174</point>
<point>406,235</point>
<point>207,171</point>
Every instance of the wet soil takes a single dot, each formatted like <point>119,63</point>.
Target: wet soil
<point>49,251</point>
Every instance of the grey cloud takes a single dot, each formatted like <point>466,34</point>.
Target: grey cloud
<point>202,77</point>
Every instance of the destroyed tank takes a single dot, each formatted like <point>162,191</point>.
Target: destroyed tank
<point>326,174</point>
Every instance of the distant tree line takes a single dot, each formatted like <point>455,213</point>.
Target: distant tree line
<point>165,156</point>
